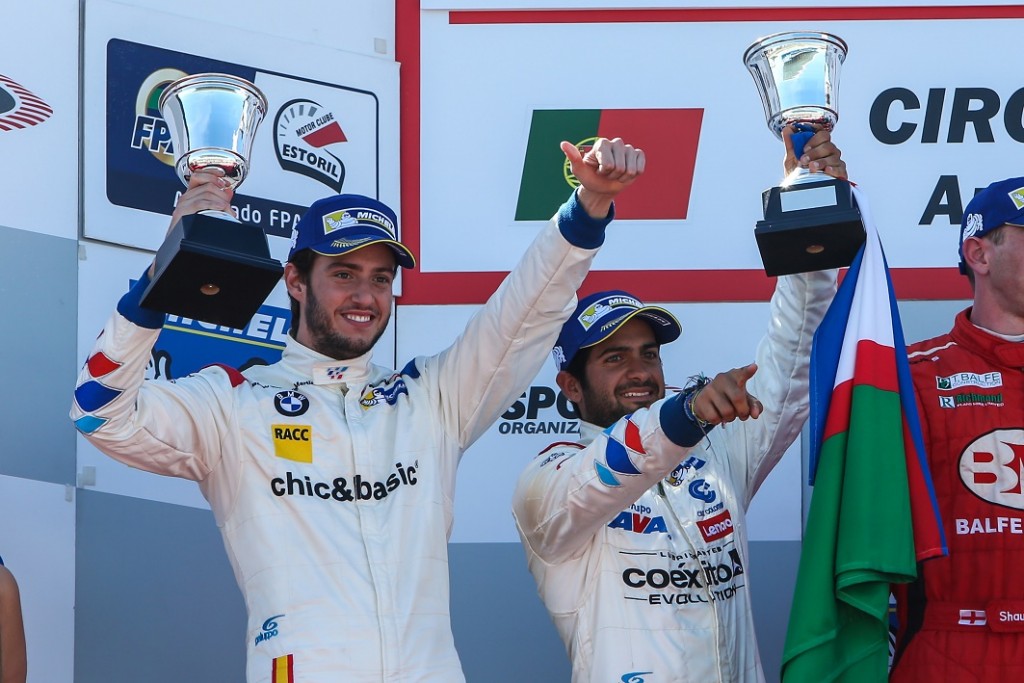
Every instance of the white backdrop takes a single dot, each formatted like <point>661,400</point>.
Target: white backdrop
<point>512,67</point>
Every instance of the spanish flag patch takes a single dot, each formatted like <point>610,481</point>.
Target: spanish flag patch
<point>283,671</point>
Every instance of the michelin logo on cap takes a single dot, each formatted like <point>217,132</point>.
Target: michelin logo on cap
<point>1017,197</point>
<point>603,307</point>
<point>339,220</point>
<point>350,218</point>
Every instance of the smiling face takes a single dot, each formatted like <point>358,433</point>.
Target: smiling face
<point>621,374</point>
<point>345,302</point>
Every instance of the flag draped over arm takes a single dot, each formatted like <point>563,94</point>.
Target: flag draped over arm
<point>867,465</point>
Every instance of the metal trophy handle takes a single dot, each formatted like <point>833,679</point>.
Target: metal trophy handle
<point>811,221</point>
<point>212,267</point>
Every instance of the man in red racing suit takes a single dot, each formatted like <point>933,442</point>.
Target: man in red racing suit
<point>963,619</point>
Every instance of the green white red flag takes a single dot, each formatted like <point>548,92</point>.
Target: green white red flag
<point>873,513</point>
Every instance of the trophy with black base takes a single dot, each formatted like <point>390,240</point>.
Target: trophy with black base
<point>811,222</point>
<point>211,266</point>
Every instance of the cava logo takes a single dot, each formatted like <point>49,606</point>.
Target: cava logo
<point>302,129</point>
<point>151,132</point>
<point>19,107</point>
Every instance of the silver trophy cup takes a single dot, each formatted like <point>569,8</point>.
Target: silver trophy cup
<point>211,266</point>
<point>811,222</point>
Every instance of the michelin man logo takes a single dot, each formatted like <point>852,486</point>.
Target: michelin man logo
<point>559,355</point>
<point>973,225</point>
<point>1017,196</point>
<point>337,221</point>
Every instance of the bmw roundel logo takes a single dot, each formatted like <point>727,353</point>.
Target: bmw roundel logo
<point>291,403</point>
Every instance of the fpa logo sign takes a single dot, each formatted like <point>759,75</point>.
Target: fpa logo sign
<point>330,136</point>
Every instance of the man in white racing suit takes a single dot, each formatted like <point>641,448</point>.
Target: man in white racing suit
<point>636,535</point>
<point>331,478</point>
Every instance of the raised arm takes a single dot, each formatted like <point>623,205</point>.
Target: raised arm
<point>507,341</point>
<point>168,428</point>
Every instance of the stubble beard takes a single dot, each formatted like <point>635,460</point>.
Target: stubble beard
<point>330,342</point>
<point>605,411</point>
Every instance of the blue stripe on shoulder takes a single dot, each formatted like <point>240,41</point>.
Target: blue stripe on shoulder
<point>410,370</point>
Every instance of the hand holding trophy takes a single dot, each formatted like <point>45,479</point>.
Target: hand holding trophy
<point>212,267</point>
<point>811,222</point>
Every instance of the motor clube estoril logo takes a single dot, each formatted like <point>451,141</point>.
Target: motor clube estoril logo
<point>151,132</point>
<point>302,129</point>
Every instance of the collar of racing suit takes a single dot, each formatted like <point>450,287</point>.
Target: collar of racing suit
<point>322,369</point>
<point>1001,352</point>
<point>589,432</point>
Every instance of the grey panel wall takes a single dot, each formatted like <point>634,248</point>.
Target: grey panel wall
<point>502,630</point>
<point>156,601</point>
<point>38,310</point>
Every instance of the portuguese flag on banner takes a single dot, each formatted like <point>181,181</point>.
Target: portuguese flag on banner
<point>667,136</point>
<point>872,503</point>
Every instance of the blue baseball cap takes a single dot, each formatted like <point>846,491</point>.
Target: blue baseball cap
<point>1001,203</point>
<point>599,315</point>
<point>345,222</point>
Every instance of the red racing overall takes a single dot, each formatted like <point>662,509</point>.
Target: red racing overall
<point>963,620</point>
